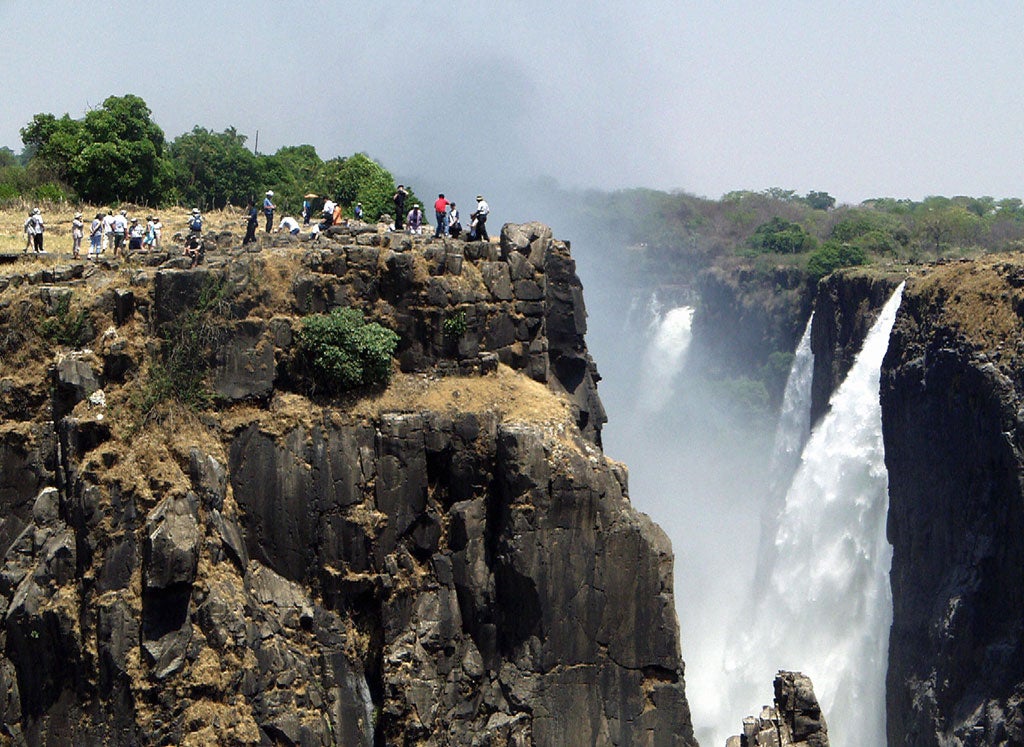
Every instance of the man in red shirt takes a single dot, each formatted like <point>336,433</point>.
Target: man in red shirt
<point>441,214</point>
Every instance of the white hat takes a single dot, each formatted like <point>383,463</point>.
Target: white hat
<point>195,210</point>
<point>78,215</point>
<point>270,193</point>
<point>35,211</point>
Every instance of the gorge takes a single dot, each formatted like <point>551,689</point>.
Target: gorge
<point>455,560</point>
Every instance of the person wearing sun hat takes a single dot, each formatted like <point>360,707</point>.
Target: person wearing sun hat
<point>268,209</point>
<point>135,234</point>
<point>37,232</point>
<point>479,232</point>
<point>77,232</point>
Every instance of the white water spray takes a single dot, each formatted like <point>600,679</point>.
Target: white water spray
<point>794,427</point>
<point>825,608</point>
<point>670,335</point>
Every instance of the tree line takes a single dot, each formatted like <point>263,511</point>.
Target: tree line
<point>117,154</point>
<point>675,235</point>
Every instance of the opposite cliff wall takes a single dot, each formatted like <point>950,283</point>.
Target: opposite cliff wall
<point>953,427</point>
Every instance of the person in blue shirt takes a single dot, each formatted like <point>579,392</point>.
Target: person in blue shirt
<point>268,209</point>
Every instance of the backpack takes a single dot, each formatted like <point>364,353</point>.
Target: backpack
<point>197,223</point>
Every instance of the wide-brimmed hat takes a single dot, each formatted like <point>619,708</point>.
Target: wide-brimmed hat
<point>479,197</point>
<point>78,215</point>
<point>195,210</point>
<point>270,193</point>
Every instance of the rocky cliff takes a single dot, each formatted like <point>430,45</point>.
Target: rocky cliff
<point>846,304</point>
<point>953,423</point>
<point>450,561</point>
<point>794,720</point>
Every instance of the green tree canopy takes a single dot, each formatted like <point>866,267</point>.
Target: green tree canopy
<point>360,179</point>
<point>113,153</point>
<point>781,236</point>
<point>211,169</point>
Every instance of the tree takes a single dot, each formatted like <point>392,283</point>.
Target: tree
<point>113,153</point>
<point>211,169</point>
<point>782,237</point>
<point>360,179</point>
<point>820,200</point>
<point>291,172</point>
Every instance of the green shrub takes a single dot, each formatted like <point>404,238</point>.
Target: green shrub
<point>50,192</point>
<point>64,327</point>
<point>341,351</point>
<point>831,256</point>
<point>781,236</point>
<point>454,326</point>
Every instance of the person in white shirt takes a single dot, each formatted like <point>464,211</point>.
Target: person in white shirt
<point>108,232</point>
<point>120,231</point>
<point>290,225</point>
<point>77,232</point>
<point>479,232</point>
<point>34,228</point>
<point>95,236</point>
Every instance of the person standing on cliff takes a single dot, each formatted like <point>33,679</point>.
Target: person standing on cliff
<point>441,216</point>
<point>34,231</point>
<point>268,209</point>
<point>252,221</point>
<point>77,232</point>
<point>399,200</point>
<point>95,236</point>
<point>454,226</point>
<point>479,232</point>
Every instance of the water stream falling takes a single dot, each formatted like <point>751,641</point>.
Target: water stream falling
<point>825,607</point>
<point>670,335</point>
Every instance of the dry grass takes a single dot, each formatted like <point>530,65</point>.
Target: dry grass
<point>57,219</point>
<point>983,299</point>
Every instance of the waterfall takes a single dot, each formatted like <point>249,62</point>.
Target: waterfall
<point>670,335</point>
<point>794,427</point>
<point>791,434</point>
<point>825,607</point>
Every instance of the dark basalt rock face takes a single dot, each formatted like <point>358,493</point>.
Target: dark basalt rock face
<point>845,307</point>
<point>291,572</point>
<point>795,720</point>
<point>952,421</point>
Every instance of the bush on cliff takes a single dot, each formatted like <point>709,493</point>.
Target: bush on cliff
<point>341,351</point>
<point>831,256</point>
<point>781,236</point>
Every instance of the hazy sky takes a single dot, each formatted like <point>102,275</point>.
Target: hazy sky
<point>859,99</point>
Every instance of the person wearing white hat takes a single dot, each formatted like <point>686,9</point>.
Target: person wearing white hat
<point>120,231</point>
<point>268,209</point>
<point>479,232</point>
<point>77,232</point>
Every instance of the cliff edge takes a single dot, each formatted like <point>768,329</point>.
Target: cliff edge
<point>452,560</point>
<point>953,424</point>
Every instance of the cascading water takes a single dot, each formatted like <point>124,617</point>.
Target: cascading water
<point>825,608</point>
<point>670,335</point>
<point>794,426</point>
<point>791,434</point>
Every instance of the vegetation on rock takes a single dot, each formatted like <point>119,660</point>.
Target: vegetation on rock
<point>341,351</point>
